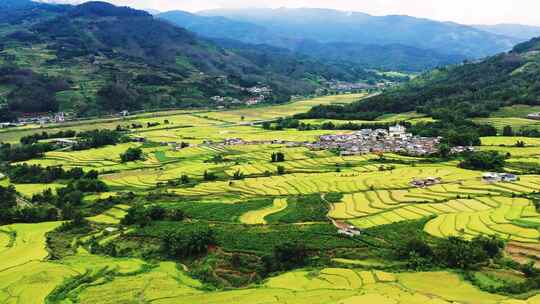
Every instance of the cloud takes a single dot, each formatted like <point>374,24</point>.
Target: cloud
<point>463,11</point>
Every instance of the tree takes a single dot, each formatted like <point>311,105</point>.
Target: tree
<point>508,131</point>
<point>132,154</point>
<point>209,176</point>
<point>484,160</point>
<point>444,150</point>
<point>238,175</point>
<point>187,243</point>
<point>278,157</point>
<point>280,170</point>
<point>455,252</point>
<point>136,215</point>
<point>8,197</point>
<point>290,255</point>
<point>184,179</point>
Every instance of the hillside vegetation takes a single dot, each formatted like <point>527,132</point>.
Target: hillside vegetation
<point>96,57</point>
<point>473,89</point>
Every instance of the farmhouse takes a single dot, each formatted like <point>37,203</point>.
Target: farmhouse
<point>461,149</point>
<point>63,142</point>
<point>422,183</point>
<point>492,177</point>
<point>346,229</point>
<point>535,116</point>
<point>138,139</point>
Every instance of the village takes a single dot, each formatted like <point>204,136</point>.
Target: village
<point>394,140</point>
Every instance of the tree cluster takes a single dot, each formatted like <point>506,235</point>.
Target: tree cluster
<point>484,160</point>
<point>142,215</point>
<point>17,153</point>
<point>188,243</point>
<point>97,138</point>
<point>34,138</point>
<point>453,252</point>
<point>36,174</point>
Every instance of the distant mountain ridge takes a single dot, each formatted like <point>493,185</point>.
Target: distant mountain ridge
<point>332,26</point>
<point>521,31</point>
<point>387,57</point>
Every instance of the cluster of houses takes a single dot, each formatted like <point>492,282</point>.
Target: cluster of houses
<point>535,116</point>
<point>241,142</point>
<point>394,140</point>
<point>461,149</point>
<point>492,177</point>
<point>259,90</point>
<point>43,118</point>
<point>341,86</point>
<point>425,182</point>
<point>347,229</point>
<point>229,100</point>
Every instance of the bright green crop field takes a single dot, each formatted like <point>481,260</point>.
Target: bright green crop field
<point>252,205</point>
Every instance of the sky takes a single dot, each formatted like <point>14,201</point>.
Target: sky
<point>461,11</point>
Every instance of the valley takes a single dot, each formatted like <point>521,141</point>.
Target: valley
<point>271,155</point>
<point>251,205</point>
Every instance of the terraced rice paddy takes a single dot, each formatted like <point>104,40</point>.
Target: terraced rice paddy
<point>373,195</point>
<point>509,141</point>
<point>514,122</point>
<point>111,216</point>
<point>510,218</point>
<point>461,209</point>
<point>256,217</point>
<point>255,114</point>
<point>343,182</point>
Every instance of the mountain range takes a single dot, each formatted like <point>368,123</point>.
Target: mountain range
<point>520,31</point>
<point>381,42</point>
<point>97,57</point>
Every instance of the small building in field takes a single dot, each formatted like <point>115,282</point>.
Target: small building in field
<point>492,177</point>
<point>138,139</point>
<point>63,142</point>
<point>535,116</point>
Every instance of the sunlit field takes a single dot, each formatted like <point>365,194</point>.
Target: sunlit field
<point>240,188</point>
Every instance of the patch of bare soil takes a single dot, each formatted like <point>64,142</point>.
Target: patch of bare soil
<point>524,253</point>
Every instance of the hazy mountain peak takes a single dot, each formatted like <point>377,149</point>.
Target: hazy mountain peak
<point>105,9</point>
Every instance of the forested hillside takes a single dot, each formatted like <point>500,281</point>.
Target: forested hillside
<point>474,89</point>
<point>96,57</point>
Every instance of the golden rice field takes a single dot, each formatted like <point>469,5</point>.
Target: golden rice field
<point>256,217</point>
<point>272,112</point>
<point>343,182</point>
<point>111,216</point>
<point>466,208</point>
<point>462,205</point>
<point>329,285</point>
<point>509,141</point>
<point>515,122</point>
